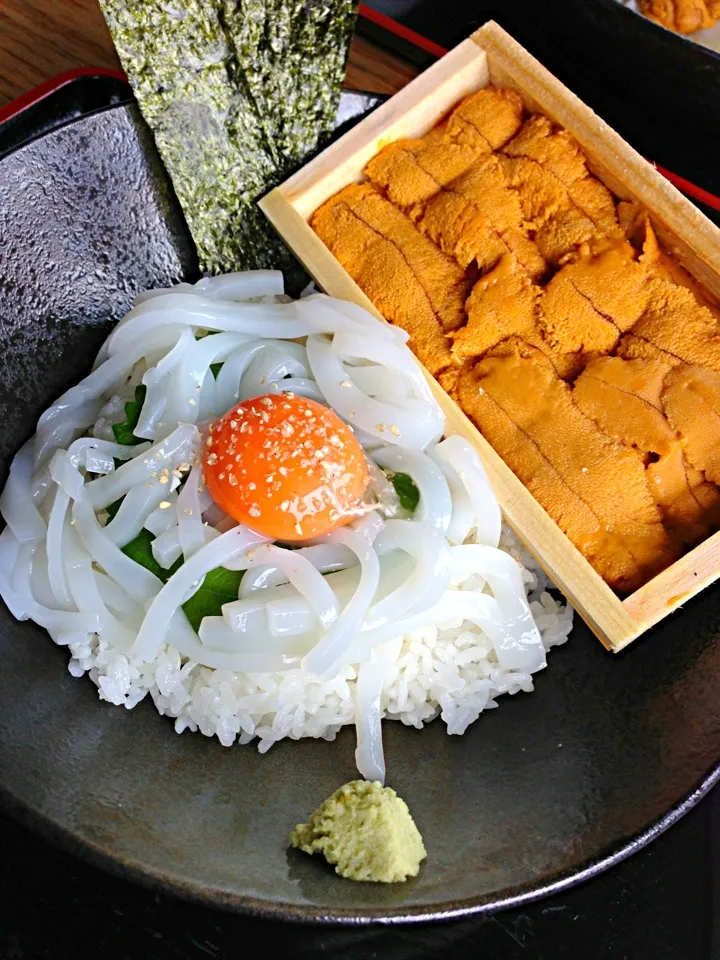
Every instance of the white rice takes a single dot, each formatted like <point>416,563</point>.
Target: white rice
<point>451,672</point>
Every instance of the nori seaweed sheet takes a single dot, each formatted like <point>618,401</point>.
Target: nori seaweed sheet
<point>237,93</point>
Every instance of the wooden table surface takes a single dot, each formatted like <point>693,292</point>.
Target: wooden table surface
<point>41,38</point>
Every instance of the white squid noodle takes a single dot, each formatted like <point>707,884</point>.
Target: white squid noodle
<point>348,597</point>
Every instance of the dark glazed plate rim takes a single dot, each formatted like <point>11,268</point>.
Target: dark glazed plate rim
<point>59,101</point>
<point>220,899</point>
<point>59,107</point>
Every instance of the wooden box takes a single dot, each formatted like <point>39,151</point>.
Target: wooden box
<point>492,56</point>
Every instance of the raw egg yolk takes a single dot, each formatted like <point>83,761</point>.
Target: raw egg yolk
<point>285,466</point>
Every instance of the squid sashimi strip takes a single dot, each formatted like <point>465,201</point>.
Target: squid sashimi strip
<point>462,518</point>
<point>137,505</point>
<point>258,319</point>
<point>114,598</point>
<point>393,359</point>
<point>301,573</point>
<point>189,514</point>
<point>275,362</point>
<point>54,546</point>
<point>184,583</point>
<point>185,641</point>
<point>369,752</point>
<point>379,383</point>
<point>325,557</point>
<point>59,433</point>
<point>97,456</point>
<point>138,582</point>
<point>181,445</point>
<point>216,634</point>
<point>66,475</point>
<point>453,607</point>
<point>229,286</point>
<point>243,285</point>
<point>522,648</point>
<point>17,594</point>
<point>413,425</point>
<point>327,315</point>
<point>105,378</point>
<point>429,577</point>
<point>87,597</point>
<point>166,548</point>
<point>16,501</point>
<point>162,518</point>
<point>40,582</point>
<point>155,380</point>
<point>229,380</point>
<point>462,457</point>
<point>186,382</point>
<point>207,399</point>
<point>328,653</point>
<point>301,386</point>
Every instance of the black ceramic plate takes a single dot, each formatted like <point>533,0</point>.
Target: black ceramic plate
<point>550,788</point>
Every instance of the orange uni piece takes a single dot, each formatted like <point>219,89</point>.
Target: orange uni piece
<point>595,489</point>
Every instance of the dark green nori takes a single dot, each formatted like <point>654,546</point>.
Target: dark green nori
<point>237,93</point>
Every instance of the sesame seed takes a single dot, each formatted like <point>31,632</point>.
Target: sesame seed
<point>345,383</point>
<point>394,431</point>
<point>285,506</point>
<point>380,427</point>
<point>252,486</point>
<point>233,424</point>
<point>233,480</point>
<point>192,401</point>
<point>209,442</point>
<point>164,479</point>
<point>287,430</point>
<point>164,504</point>
<point>188,512</point>
<point>480,391</point>
<point>221,476</point>
<point>584,469</point>
<point>308,413</point>
<point>266,401</point>
<point>298,529</point>
<point>283,471</point>
<point>254,511</point>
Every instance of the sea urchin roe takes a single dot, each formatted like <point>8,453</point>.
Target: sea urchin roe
<point>286,466</point>
<point>573,470</point>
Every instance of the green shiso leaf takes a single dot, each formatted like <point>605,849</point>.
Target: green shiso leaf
<point>219,586</point>
<point>140,550</point>
<point>124,430</point>
<point>407,492</point>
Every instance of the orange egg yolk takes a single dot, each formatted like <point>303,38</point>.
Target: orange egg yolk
<point>285,466</point>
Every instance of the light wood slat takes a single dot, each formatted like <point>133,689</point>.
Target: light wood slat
<point>412,111</point>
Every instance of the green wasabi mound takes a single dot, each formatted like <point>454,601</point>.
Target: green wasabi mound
<point>366,831</point>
